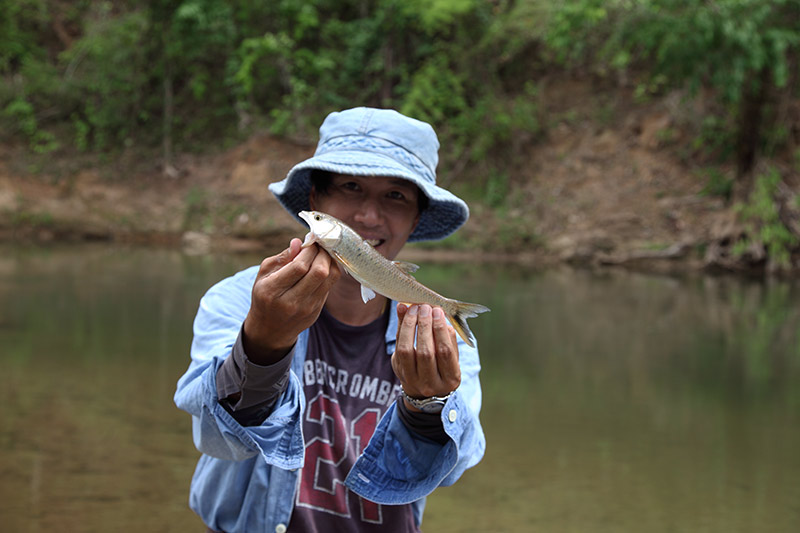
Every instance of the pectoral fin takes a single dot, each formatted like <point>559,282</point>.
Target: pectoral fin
<point>342,261</point>
<point>367,294</point>
<point>310,239</point>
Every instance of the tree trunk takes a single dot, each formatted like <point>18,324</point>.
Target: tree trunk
<point>388,68</point>
<point>748,138</point>
<point>169,169</point>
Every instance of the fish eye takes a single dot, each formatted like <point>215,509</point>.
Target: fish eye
<point>317,218</point>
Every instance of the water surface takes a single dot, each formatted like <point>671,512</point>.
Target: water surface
<point>612,402</point>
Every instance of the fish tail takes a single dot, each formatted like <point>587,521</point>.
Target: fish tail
<point>464,311</point>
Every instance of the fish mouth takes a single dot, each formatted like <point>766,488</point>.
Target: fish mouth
<point>305,215</point>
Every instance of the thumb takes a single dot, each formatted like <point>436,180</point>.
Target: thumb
<point>295,245</point>
<point>275,262</point>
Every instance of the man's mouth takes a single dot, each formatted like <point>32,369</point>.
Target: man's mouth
<point>374,242</point>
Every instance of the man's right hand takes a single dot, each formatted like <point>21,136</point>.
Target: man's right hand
<point>288,295</point>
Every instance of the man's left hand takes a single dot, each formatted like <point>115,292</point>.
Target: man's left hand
<point>431,368</point>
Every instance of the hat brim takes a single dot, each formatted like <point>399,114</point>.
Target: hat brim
<point>445,213</point>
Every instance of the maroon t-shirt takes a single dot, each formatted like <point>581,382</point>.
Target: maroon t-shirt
<point>348,384</point>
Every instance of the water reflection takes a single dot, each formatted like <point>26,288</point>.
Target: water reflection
<point>612,402</point>
<point>624,402</point>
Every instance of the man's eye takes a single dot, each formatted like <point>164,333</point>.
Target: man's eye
<point>350,186</point>
<point>397,195</point>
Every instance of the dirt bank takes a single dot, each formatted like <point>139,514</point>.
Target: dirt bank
<point>596,190</point>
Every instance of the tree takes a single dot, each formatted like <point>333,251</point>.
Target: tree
<point>744,50</point>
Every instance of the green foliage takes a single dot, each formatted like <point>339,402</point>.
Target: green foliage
<point>436,91</point>
<point>741,49</point>
<point>105,80</point>
<point>723,42</point>
<point>514,233</point>
<point>497,189</point>
<point>20,25</point>
<point>763,222</point>
<point>257,61</point>
<point>436,14</point>
<point>197,70</point>
<point>20,113</point>
<point>574,28</point>
<point>82,132</point>
<point>717,184</point>
<point>715,139</point>
<point>197,41</point>
<point>24,218</point>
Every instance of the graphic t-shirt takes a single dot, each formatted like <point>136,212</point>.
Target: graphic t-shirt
<point>349,384</point>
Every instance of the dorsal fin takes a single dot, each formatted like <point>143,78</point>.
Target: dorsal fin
<point>406,267</point>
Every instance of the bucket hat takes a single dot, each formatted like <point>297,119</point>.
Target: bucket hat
<point>378,142</point>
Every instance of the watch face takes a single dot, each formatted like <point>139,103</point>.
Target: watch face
<point>432,407</point>
<point>434,404</point>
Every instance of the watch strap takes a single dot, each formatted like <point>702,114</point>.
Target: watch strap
<point>431,404</point>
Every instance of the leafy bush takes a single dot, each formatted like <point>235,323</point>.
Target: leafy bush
<point>20,113</point>
<point>105,82</point>
<point>764,226</point>
<point>742,49</point>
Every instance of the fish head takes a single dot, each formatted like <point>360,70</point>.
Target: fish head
<point>325,229</point>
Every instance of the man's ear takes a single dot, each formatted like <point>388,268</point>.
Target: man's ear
<point>416,221</point>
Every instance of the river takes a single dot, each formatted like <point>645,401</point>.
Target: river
<point>613,401</point>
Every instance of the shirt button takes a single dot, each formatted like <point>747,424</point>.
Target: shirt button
<point>280,528</point>
<point>452,415</point>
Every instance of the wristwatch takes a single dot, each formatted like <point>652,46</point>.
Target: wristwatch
<point>432,404</point>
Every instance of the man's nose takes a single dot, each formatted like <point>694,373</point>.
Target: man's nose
<point>368,213</point>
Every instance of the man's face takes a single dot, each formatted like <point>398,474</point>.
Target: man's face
<point>383,210</point>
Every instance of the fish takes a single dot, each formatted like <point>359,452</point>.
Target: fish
<point>377,274</point>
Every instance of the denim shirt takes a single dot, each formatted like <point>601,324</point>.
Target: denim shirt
<point>247,476</point>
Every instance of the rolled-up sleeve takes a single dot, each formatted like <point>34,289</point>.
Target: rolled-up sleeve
<point>278,439</point>
<point>249,391</point>
<point>400,467</point>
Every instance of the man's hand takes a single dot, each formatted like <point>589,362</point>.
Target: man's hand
<point>288,295</point>
<point>430,369</point>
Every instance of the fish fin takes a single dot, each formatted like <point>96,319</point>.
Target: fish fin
<point>464,311</point>
<point>367,294</point>
<point>406,267</point>
<point>310,239</point>
<point>342,261</point>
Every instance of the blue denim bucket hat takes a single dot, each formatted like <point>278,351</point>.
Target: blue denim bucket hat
<point>378,142</point>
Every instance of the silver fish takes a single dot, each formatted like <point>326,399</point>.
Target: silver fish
<point>375,273</point>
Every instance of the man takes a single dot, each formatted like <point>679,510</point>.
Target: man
<point>313,410</point>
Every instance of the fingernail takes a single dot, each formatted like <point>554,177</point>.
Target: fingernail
<point>413,310</point>
<point>425,311</point>
<point>438,314</point>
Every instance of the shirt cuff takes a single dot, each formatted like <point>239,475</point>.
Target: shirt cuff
<point>258,386</point>
<point>428,425</point>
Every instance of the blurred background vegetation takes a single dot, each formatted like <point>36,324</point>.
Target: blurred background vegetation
<point>187,75</point>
